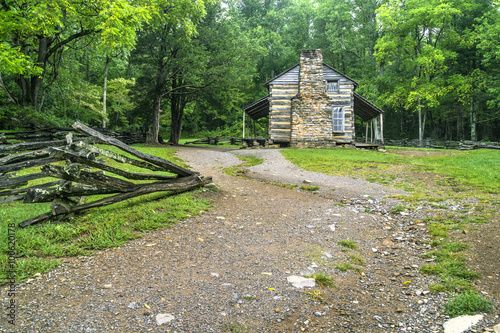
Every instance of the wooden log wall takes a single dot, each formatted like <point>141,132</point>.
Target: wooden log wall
<point>80,174</point>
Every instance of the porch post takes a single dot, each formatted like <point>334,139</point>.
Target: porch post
<point>382,128</point>
<point>243,124</point>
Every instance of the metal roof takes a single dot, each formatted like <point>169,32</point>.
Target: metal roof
<point>365,109</point>
<point>289,69</point>
<point>258,109</point>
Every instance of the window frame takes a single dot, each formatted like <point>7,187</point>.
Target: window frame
<point>332,83</point>
<point>338,119</point>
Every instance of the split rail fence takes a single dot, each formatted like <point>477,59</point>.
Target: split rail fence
<point>76,179</point>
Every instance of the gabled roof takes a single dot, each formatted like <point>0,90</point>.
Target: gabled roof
<point>330,67</point>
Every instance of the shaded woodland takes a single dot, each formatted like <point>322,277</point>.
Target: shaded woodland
<point>173,68</point>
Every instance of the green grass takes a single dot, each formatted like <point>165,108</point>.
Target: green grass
<point>468,303</point>
<point>357,260</point>
<point>479,169</point>
<point>251,160</point>
<point>309,188</point>
<point>40,247</point>
<point>322,279</point>
<point>315,294</point>
<point>347,266</point>
<point>348,244</point>
<point>239,170</point>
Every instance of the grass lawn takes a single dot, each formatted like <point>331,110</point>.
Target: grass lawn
<point>38,247</point>
<point>479,169</point>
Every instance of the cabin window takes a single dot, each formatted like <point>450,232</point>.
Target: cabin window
<point>332,85</point>
<point>338,119</point>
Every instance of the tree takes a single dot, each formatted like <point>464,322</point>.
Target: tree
<point>416,36</point>
<point>35,35</point>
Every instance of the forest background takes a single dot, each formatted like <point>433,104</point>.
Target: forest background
<point>184,67</point>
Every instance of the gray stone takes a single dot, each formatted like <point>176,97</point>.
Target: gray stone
<point>132,305</point>
<point>301,282</point>
<point>162,318</point>
<point>461,324</point>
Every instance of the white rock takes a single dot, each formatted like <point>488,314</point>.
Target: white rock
<point>496,328</point>
<point>461,324</point>
<point>162,318</point>
<point>301,282</point>
<point>332,227</point>
<point>374,250</point>
<point>107,286</point>
<point>216,275</point>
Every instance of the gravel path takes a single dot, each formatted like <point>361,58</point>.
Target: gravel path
<point>227,270</point>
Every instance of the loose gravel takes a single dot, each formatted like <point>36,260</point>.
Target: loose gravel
<point>227,270</point>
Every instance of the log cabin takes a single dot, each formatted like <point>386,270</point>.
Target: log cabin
<point>312,105</point>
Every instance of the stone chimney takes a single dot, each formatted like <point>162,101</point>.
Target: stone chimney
<point>311,80</point>
<point>311,107</point>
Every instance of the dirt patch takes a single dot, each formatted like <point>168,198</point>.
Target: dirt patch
<point>421,152</point>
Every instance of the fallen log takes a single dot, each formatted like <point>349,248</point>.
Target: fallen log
<point>169,166</point>
<point>178,185</point>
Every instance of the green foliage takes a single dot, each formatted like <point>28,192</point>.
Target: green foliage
<point>468,303</point>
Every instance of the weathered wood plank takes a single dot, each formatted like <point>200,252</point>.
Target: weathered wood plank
<point>117,143</point>
<point>116,157</point>
<point>24,190</point>
<point>178,185</point>
<point>17,147</point>
<point>75,174</point>
<point>31,155</point>
<point>14,182</point>
<point>26,164</point>
<point>68,154</point>
<point>77,190</point>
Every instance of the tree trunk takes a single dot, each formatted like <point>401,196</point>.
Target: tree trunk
<point>420,129</point>
<point>460,122</point>
<point>152,137</point>
<point>473,121</point>
<point>105,85</point>
<point>37,80</point>
<point>177,105</point>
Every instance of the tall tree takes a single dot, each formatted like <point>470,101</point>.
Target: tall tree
<point>415,38</point>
